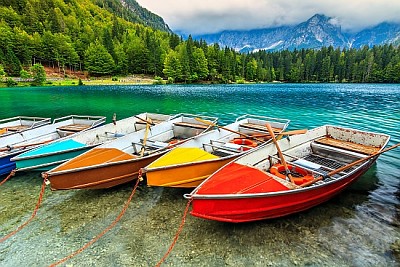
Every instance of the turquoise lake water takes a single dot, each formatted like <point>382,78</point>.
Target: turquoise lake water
<point>360,227</point>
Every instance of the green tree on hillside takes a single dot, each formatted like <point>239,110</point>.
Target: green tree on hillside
<point>38,74</point>
<point>98,61</point>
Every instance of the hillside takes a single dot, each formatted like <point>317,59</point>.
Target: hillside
<point>65,34</point>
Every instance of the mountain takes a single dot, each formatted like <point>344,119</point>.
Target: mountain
<point>381,34</point>
<point>131,11</point>
<point>318,31</point>
<point>145,16</point>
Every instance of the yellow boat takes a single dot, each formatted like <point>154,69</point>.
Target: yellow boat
<point>187,165</point>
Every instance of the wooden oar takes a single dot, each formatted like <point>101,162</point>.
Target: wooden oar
<point>351,164</point>
<point>293,132</point>
<point>229,130</point>
<point>9,148</point>
<point>146,121</point>
<point>361,160</point>
<point>145,138</point>
<point>271,132</point>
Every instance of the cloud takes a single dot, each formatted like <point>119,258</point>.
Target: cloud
<point>208,16</point>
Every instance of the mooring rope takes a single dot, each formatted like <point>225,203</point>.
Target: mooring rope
<point>32,216</point>
<point>12,173</point>
<point>103,232</point>
<point>178,232</point>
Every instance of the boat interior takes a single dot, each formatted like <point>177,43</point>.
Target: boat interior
<point>323,155</point>
<point>226,146</point>
<point>180,132</point>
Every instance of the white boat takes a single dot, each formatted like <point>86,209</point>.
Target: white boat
<point>48,156</point>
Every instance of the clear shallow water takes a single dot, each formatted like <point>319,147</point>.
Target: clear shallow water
<point>360,227</point>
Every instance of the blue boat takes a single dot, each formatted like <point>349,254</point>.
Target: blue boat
<point>12,145</point>
<point>48,156</point>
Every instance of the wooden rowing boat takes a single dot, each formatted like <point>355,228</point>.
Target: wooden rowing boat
<point>119,161</point>
<point>28,157</point>
<point>53,154</point>
<point>188,165</point>
<point>327,159</point>
<point>19,124</point>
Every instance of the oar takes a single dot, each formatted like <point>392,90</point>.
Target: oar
<point>145,138</point>
<point>293,132</point>
<point>9,148</point>
<point>351,164</point>
<point>271,132</point>
<point>362,159</point>
<point>229,130</point>
<point>146,121</point>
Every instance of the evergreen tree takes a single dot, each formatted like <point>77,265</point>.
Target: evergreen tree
<point>38,74</point>
<point>172,66</point>
<point>12,65</point>
<point>98,61</point>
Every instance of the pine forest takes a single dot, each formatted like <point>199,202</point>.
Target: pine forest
<point>100,37</point>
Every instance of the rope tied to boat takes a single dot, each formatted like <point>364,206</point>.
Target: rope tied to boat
<point>103,232</point>
<point>42,190</point>
<point>178,232</point>
<point>12,173</point>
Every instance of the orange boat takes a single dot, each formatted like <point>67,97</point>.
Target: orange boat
<point>119,161</point>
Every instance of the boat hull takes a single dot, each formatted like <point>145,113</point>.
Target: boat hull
<point>254,207</point>
<point>186,175</point>
<point>6,165</point>
<point>100,176</point>
<point>47,162</point>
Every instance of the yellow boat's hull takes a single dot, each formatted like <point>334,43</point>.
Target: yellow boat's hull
<point>185,175</point>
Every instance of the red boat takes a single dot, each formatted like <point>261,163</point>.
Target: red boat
<point>320,164</point>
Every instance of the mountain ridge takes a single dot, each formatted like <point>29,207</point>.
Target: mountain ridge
<point>317,32</point>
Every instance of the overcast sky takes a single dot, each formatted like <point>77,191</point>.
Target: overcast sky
<point>208,16</point>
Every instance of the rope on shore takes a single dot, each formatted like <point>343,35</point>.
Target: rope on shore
<point>12,173</point>
<point>32,216</point>
<point>103,232</point>
<point>178,232</point>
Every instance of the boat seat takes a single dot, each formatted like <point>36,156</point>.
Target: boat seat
<point>359,148</point>
<point>225,149</point>
<point>253,126</point>
<point>73,127</point>
<point>191,125</point>
<point>153,121</point>
<point>17,128</point>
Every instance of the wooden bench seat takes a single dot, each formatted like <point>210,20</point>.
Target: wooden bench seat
<point>152,121</point>
<point>17,128</point>
<point>364,149</point>
<point>259,127</point>
<point>74,127</point>
<point>191,125</point>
